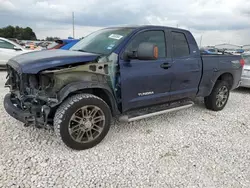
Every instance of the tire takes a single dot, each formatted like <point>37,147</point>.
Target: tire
<point>70,124</point>
<point>211,101</point>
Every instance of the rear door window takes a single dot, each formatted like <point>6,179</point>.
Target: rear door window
<point>180,45</point>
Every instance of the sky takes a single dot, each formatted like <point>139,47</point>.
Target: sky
<point>211,21</point>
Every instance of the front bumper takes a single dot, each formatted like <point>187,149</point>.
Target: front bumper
<point>16,112</point>
<point>26,116</point>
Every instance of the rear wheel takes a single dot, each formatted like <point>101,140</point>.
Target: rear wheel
<point>218,98</point>
<point>82,121</point>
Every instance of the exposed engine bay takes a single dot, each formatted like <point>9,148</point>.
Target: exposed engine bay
<point>40,94</point>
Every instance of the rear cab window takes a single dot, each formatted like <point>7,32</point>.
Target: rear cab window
<point>180,45</point>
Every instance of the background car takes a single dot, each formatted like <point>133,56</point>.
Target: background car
<point>58,44</point>
<point>9,49</point>
<point>245,77</point>
<point>207,51</point>
<point>69,45</point>
<point>30,45</point>
<point>43,45</point>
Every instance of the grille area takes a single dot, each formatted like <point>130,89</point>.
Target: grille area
<point>13,79</point>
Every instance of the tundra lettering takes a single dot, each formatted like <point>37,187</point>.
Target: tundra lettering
<point>146,93</point>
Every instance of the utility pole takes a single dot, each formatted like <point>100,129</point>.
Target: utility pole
<point>73,22</point>
<point>200,41</point>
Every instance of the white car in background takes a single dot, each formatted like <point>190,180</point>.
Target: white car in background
<point>9,49</point>
<point>245,78</point>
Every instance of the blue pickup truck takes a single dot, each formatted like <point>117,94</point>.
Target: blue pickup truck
<point>125,72</point>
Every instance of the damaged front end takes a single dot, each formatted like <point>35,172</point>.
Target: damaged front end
<point>34,98</point>
<point>30,98</point>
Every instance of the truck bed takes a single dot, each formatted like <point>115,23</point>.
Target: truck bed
<point>218,65</point>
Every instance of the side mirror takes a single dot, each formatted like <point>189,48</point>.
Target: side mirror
<point>147,51</point>
<point>17,48</point>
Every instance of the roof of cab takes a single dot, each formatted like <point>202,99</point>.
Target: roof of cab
<point>146,27</point>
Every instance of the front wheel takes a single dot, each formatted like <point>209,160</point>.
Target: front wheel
<point>82,121</point>
<point>218,98</point>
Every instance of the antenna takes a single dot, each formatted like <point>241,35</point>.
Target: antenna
<point>73,22</point>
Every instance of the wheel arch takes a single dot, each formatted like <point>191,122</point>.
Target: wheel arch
<point>226,76</point>
<point>101,90</point>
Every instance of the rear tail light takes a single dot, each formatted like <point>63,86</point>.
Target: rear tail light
<point>242,62</point>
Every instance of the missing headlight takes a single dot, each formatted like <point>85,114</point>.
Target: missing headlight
<point>46,81</point>
<point>33,81</point>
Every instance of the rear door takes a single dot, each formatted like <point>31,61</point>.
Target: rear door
<point>145,82</point>
<point>186,66</point>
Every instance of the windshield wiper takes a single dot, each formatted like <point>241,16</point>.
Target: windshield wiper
<point>88,52</point>
<point>81,50</point>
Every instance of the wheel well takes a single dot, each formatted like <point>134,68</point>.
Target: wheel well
<point>97,92</point>
<point>227,77</point>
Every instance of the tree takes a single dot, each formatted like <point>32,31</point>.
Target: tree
<point>8,32</point>
<point>18,33</point>
<point>28,34</point>
<point>52,38</point>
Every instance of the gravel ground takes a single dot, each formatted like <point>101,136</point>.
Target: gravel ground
<point>189,148</point>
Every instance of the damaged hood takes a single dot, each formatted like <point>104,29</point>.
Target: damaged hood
<point>34,62</point>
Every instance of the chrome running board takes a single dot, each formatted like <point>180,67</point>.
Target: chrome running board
<point>127,118</point>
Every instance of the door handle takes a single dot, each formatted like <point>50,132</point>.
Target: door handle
<point>166,65</point>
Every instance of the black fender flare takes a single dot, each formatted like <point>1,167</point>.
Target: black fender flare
<point>81,85</point>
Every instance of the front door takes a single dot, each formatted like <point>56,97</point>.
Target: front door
<point>145,82</point>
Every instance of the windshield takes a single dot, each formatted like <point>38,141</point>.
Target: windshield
<point>102,41</point>
<point>246,59</point>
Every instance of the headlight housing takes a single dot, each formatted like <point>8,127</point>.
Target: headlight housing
<point>40,82</point>
<point>33,81</point>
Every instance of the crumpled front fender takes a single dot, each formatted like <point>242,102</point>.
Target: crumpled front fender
<point>78,86</point>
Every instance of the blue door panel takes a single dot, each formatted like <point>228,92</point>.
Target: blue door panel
<point>186,65</point>
<point>186,77</point>
<point>144,83</point>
